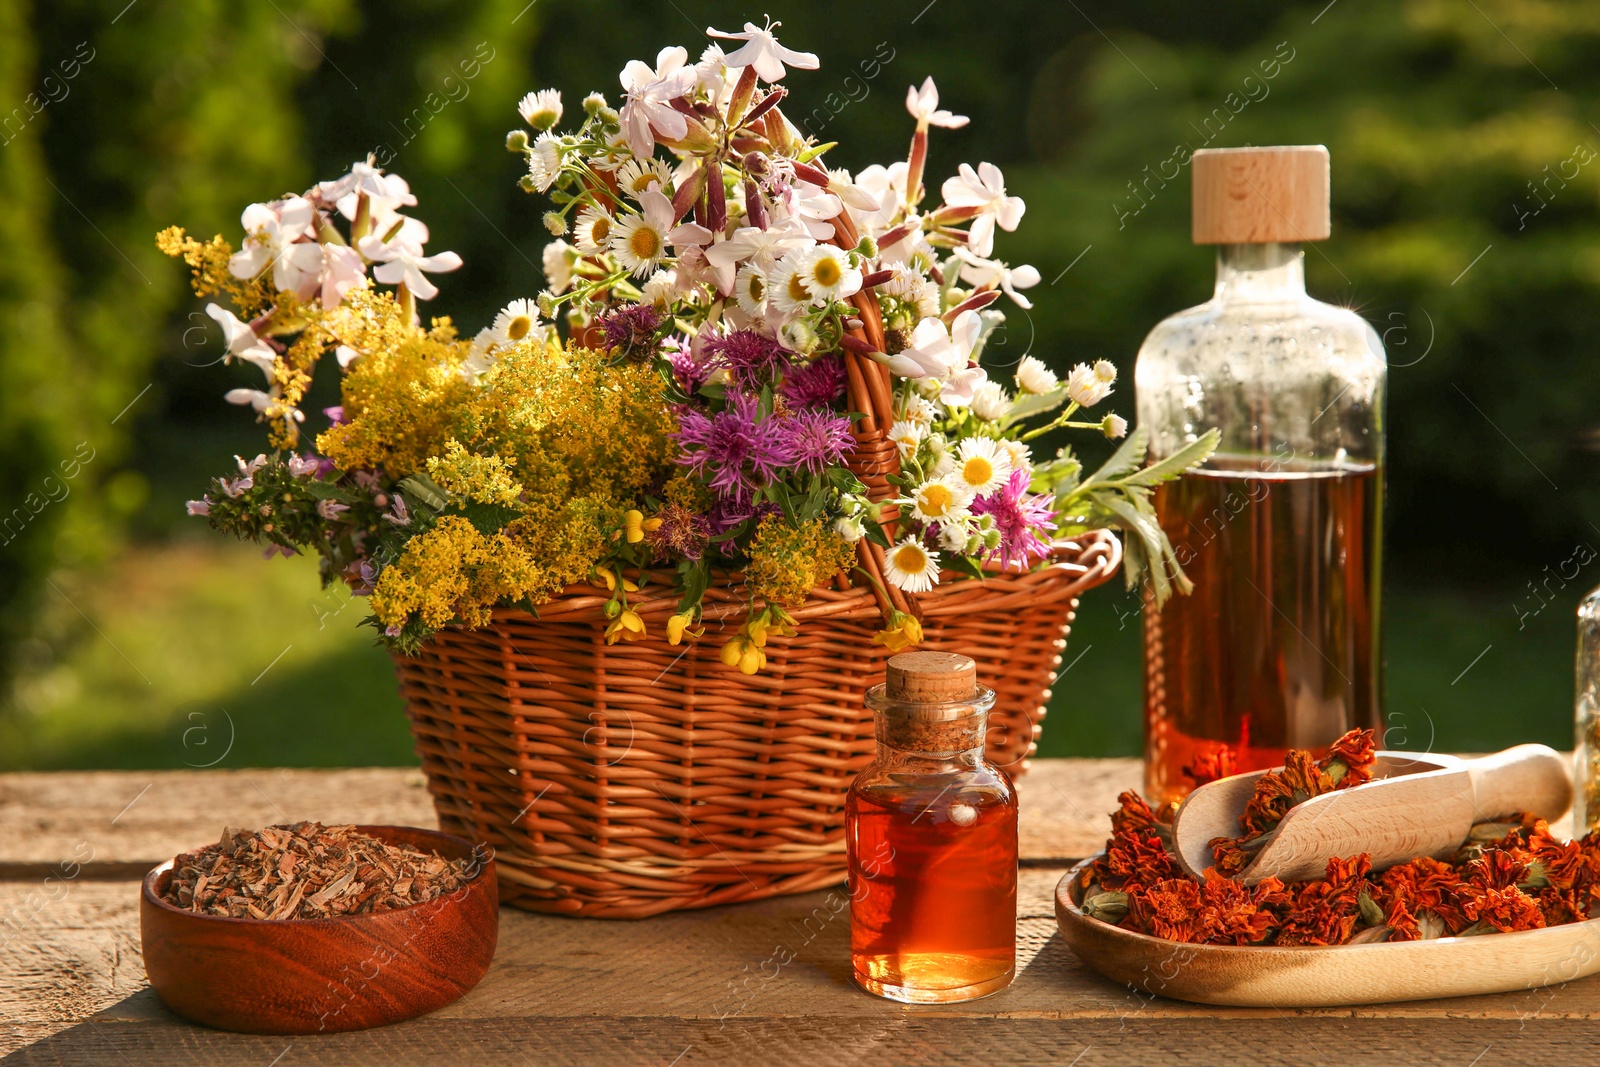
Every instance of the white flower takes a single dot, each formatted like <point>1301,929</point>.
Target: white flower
<point>363,177</point>
<point>343,269</point>
<point>942,500</point>
<point>712,75</point>
<point>981,465</point>
<point>761,247</point>
<point>799,337</point>
<point>650,93</point>
<point>917,409</point>
<point>762,51</point>
<point>401,261</point>
<point>984,189</point>
<point>659,289</point>
<point>989,401</point>
<point>911,567</point>
<point>962,374</point>
<point>515,321</point>
<point>640,241</point>
<point>827,274</point>
<point>637,175</point>
<point>939,453</point>
<point>542,109</point>
<point>260,402</point>
<point>813,206</point>
<point>243,344</point>
<point>846,526</point>
<point>1105,371</point>
<point>1020,455</point>
<point>1114,426</point>
<point>924,107</point>
<point>385,194</point>
<point>907,435</point>
<point>346,355</point>
<point>953,536</point>
<point>1085,388</point>
<point>790,293</point>
<point>991,273</point>
<point>1034,377</point>
<point>279,236</point>
<point>557,261</point>
<point>544,161</point>
<point>750,290</point>
<point>594,230</point>
<point>927,356</point>
<point>888,186</point>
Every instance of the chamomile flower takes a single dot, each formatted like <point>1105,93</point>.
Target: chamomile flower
<point>640,241</point>
<point>750,289</point>
<point>915,409</point>
<point>594,230</point>
<point>906,437</point>
<point>827,275</point>
<point>941,500</point>
<point>516,321</point>
<point>1086,388</point>
<point>544,161</point>
<point>542,109</point>
<point>982,465</point>
<point>1034,377</point>
<point>911,567</point>
<point>1021,457</point>
<point>637,175</point>
<point>789,290</point>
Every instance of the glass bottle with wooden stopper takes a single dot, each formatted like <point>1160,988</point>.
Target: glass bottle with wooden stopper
<point>931,828</point>
<point>1279,645</point>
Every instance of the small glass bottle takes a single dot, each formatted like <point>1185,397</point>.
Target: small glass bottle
<point>1586,802</point>
<point>931,829</point>
<point>1280,531</point>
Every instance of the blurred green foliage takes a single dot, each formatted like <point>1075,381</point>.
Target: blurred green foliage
<point>1465,180</point>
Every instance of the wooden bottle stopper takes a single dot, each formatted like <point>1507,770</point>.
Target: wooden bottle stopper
<point>931,677</point>
<point>1257,195</point>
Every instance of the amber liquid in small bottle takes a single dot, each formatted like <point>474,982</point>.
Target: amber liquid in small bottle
<point>932,839</point>
<point>1276,648</point>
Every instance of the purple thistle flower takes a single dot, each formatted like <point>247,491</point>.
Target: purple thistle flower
<point>735,450</point>
<point>816,385</point>
<point>631,329</point>
<point>1024,521</point>
<point>682,534</point>
<point>751,359</point>
<point>816,440</point>
<point>689,372</point>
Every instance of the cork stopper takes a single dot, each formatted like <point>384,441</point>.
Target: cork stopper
<point>1257,195</point>
<point>931,677</point>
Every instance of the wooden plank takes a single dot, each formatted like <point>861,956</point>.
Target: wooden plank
<point>77,958</point>
<point>117,823</point>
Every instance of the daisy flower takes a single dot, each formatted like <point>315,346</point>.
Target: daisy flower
<point>558,260</point>
<point>906,437</point>
<point>911,567</point>
<point>659,289</point>
<point>514,322</point>
<point>989,401</point>
<point>941,500</point>
<point>637,175</point>
<point>1034,377</point>
<point>594,230</point>
<point>1021,458</point>
<point>1086,388</point>
<point>640,241</point>
<point>544,161</point>
<point>915,409</point>
<point>827,274</point>
<point>789,290</point>
<point>542,109</point>
<point>982,465</point>
<point>750,290</point>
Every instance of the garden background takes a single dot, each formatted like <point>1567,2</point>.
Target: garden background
<point>1466,228</point>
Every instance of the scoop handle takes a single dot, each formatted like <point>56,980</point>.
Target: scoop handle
<point>1532,778</point>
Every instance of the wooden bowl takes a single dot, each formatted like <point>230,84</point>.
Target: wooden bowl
<point>307,976</point>
<point>1317,977</point>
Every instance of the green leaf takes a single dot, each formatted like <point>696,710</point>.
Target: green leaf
<point>1123,461</point>
<point>1153,541</point>
<point>876,535</point>
<point>696,579</point>
<point>1184,459</point>
<point>1028,404</point>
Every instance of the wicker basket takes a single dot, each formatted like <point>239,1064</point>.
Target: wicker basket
<point>620,781</point>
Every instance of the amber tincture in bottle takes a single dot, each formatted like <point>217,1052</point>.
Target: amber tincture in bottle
<point>1278,647</point>
<point>932,834</point>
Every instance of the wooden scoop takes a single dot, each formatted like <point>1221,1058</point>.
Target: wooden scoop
<point>1416,805</point>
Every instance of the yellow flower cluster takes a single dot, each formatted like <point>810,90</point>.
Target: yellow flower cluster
<point>208,263</point>
<point>481,479</point>
<point>787,562</point>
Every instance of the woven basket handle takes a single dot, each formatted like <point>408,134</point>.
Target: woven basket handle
<point>876,457</point>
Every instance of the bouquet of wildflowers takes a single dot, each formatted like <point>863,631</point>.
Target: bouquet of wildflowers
<point>676,405</point>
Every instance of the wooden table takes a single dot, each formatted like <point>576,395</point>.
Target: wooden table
<point>683,989</point>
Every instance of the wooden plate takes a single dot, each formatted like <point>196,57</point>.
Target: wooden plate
<point>1310,977</point>
<point>307,976</point>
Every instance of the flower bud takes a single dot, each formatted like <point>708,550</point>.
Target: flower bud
<point>607,116</point>
<point>756,164</point>
<point>547,305</point>
<point>867,247</point>
<point>517,141</point>
<point>527,184</point>
<point>555,222</point>
<point>594,103</point>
